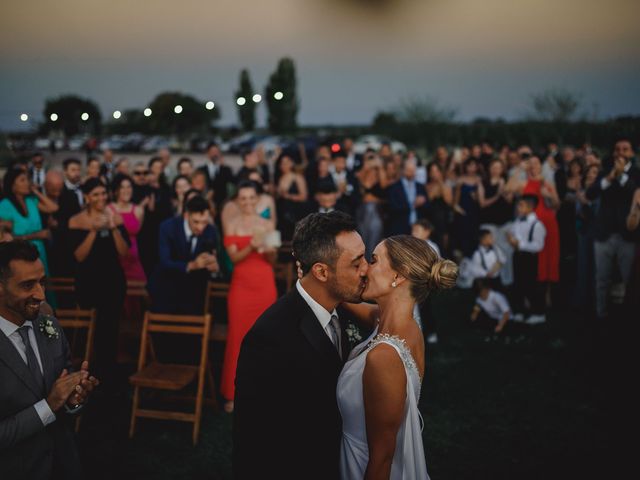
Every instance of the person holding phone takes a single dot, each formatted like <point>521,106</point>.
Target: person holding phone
<point>249,241</point>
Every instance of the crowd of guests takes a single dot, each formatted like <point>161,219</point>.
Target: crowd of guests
<point>528,228</point>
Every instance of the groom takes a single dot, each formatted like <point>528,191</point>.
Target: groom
<point>286,420</point>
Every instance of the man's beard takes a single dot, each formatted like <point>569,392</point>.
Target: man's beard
<point>29,310</point>
<point>343,293</point>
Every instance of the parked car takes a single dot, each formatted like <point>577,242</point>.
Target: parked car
<point>115,143</point>
<point>154,144</point>
<point>78,142</point>
<point>365,142</point>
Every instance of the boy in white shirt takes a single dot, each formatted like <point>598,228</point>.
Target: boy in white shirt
<point>487,260</point>
<point>527,238</point>
<point>491,308</point>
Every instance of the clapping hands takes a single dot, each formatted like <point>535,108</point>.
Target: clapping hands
<point>72,389</point>
<point>82,391</point>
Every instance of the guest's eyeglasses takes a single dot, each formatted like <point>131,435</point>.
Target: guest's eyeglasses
<point>141,172</point>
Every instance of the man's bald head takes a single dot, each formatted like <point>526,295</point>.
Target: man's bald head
<point>53,183</point>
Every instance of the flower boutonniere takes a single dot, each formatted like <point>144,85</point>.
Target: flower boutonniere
<point>353,333</point>
<point>46,327</point>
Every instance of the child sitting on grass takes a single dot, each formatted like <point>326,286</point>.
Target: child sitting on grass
<point>491,307</point>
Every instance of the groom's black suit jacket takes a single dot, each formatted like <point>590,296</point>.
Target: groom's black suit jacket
<point>286,418</point>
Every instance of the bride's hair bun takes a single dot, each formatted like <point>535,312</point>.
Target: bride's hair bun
<point>444,274</point>
<point>415,260</point>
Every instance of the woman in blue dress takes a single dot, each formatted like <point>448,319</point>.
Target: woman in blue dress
<point>22,206</point>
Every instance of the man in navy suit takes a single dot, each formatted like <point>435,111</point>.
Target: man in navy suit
<point>187,258</point>
<point>407,197</point>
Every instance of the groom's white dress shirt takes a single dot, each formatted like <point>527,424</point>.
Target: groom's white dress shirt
<point>321,313</point>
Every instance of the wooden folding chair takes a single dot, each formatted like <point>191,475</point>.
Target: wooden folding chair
<point>76,320</point>
<point>171,377</point>
<point>216,290</point>
<point>137,288</point>
<point>285,273</point>
<point>65,290</point>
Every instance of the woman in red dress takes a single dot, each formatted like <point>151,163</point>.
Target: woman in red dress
<point>253,287</point>
<point>548,203</point>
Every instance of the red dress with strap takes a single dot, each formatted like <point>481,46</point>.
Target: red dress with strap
<point>549,257</point>
<point>251,292</point>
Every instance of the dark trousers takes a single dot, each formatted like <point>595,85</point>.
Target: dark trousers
<point>484,321</point>
<point>525,283</point>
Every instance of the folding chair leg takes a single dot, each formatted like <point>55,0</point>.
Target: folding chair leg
<point>196,423</point>
<point>134,411</point>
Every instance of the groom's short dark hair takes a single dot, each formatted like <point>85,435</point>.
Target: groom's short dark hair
<point>314,239</point>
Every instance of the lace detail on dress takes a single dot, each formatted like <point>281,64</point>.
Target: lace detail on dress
<point>405,352</point>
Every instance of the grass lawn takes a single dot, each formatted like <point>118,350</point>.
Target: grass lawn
<point>528,405</point>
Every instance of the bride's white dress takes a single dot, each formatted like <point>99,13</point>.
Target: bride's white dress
<point>408,460</point>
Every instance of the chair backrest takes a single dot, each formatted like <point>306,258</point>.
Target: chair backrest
<point>76,319</point>
<point>177,324</point>
<point>214,290</point>
<point>137,288</point>
<point>61,284</point>
<point>64,289</point>
<point>285,273</point>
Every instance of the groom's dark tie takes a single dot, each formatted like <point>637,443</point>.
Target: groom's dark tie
<point>32,361</point>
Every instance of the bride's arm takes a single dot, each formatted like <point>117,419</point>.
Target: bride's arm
<point>384,389</point>
<point>365,314</point>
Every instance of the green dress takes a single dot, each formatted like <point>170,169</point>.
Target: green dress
<point>22,225</point>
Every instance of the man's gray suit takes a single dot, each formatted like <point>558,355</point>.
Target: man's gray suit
<point>28,449</point>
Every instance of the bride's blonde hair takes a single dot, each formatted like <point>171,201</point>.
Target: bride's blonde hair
<point>416,261</point>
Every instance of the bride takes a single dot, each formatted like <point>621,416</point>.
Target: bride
<point>379,387</point>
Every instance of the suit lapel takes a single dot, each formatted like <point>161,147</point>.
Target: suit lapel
<point>10,356</point>
<point>313,332</point>
<point>45,356</point>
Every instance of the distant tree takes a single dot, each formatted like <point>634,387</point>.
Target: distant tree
<point>69,109</point>
<point>384,122</point>
<point>194,117</point>
<point>281,97</point>
<point>554,105</point>
<point>132,120</point>
<point>246,112</point>
<point>424,110</point>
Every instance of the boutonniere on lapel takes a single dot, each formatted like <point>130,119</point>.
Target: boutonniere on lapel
<point>47,328</point>
<point>353,333</point>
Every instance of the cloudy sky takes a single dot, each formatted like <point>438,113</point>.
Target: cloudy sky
<point>353,57</point>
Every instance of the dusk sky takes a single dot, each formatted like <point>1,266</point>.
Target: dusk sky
<point>353,58</point>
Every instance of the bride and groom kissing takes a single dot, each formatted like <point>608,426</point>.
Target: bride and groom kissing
<point>309,407</point>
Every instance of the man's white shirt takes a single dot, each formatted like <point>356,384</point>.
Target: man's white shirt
<point>321,313</point>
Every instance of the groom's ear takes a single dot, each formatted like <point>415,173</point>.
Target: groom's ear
<point>320,271</point>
